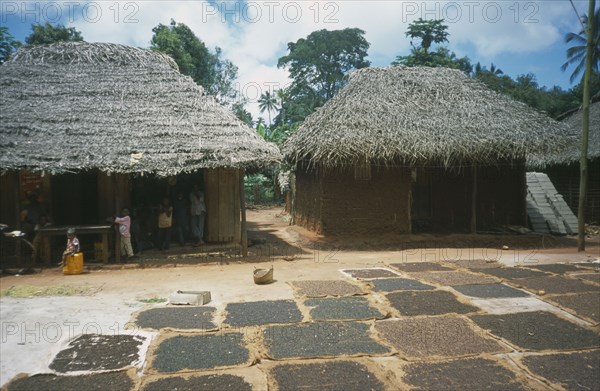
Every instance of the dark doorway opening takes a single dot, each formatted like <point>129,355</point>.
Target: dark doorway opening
<point>75,198</point>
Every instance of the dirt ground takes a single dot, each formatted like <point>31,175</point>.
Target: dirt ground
<point>35,329</point>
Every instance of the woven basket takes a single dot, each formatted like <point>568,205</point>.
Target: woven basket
<point>263,276</point>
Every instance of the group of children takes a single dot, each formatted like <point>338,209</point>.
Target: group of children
<point>124,224</point>
<point>181,220</point>
<point>165,222</point>
<point>191,211</point>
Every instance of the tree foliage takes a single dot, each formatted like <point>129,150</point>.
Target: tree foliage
<point>47,33</point>
<point>524,88</point>
<point>576,55</point>
<point>428,31</point>
<point>494,70</point>
<point>8,44</point>
<point>318,65</point>
<point>441,57</point>
<point>224,76</point>
<point>268,102</point>
<point>243,115</point>
<point>210,70</point>
<point>555,101</point>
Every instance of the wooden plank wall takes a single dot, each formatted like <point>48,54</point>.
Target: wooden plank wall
<point>114,194</point>
<point>11,205</point>
<point>566,181</point>
<point>211,199</point>
<point>106,198</point>
<point>9,213</point>
<point>221,195</point>
<point>122,192</point>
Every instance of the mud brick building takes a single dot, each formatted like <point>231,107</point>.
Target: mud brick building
<point>91,128</point>
<point>416,150</point>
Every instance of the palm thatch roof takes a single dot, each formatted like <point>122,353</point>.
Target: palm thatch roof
<point>571,154</point>
<point>421,115</point>
<point>76,106</point>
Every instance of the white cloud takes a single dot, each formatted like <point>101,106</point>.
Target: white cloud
<point>509,27</point>
<point>257,32</point>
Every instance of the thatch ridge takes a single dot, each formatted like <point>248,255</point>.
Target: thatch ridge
<point>420,115</point>
<point>571,155</point>
<point>78,106</point>
<point>70,53</point>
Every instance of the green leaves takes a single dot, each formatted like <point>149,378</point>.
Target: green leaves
<point>267,102</point>
<point>324,57</point>
<point>47,33</point>
<point>576,55</point>
<point>318,65</point>
<point>429,31</point>
<point>442,57</point>
<point>8,44</point>
<point>207,69</point>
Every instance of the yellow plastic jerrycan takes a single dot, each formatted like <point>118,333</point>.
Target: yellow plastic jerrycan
<point>73,264</point>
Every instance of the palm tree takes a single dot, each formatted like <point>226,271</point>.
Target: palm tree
<point>493,70</point>
<point>576,54</point>
<point>8,44</point>
<point>268,102</point>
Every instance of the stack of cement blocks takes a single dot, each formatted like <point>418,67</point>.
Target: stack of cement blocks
<point>547,210</point>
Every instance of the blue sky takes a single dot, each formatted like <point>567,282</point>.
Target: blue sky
<point>517,36</point>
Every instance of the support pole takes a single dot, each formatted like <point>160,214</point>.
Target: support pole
<point>474,202</point>
<point>244,235</point>
<point>293,198</point>
<point>583,170</point>
<point>117,204</point>
<point>17,193</point>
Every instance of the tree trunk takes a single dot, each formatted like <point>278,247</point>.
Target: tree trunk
<point>244,234</point>
<point>585,127</point>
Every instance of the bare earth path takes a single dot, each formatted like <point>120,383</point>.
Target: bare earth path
<point>381,315</point>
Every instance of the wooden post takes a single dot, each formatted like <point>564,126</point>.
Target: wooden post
<point>474,202</point>
<point>293,198</point>
<point>17,184</point>
<point>244,235</point>
<point>117,204</point>
<point>524,191</point>
<point>583,168</point>
<point>105,247</point>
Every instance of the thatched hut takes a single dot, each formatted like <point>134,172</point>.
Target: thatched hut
<point>96,127</point>
<point>563,167</point>
<point>415,149</point>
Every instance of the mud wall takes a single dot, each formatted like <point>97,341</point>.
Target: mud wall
<point>378,205</point>
<point>566,180</point>
<point>308,200</point>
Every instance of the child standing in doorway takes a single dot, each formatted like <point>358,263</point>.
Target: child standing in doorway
<point>125,232</point>
<point>165,221</point>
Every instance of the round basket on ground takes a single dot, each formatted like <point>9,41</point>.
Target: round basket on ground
<point>263,276</point>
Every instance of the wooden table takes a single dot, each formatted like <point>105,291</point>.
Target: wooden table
<point>103,230</point>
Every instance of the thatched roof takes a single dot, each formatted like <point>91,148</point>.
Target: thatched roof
<point>77,106</point>
<point>400,115</point>
<point>571,154</point>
